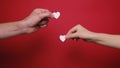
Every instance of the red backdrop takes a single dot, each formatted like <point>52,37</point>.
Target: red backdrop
<point>43,49</point>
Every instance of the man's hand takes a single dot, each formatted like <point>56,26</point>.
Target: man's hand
<point>37,19</point>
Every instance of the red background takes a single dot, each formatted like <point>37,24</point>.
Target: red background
<point>43,49</point>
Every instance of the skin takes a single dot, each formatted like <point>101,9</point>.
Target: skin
<point>37,19</point>
<point>80,32</point>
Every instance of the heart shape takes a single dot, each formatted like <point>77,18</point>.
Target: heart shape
<point>56,15</point>
<point>62,38</point>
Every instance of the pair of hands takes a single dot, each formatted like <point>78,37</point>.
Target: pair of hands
<point>39,19</point>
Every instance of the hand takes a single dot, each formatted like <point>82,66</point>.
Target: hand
<point>37,19</point>
<point>79,32</point>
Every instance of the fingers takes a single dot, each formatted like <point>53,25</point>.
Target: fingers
<point>36,16</point>
<point>42,13</point>
<point>43,22</point>
<point>72,36</point>
<point>72,32</point>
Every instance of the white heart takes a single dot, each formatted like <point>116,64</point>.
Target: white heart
<point>62,38</point>
<point>56,15</point>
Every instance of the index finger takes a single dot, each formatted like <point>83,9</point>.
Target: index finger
<point>72,30</point>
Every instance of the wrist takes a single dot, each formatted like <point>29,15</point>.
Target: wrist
<point>21,27</point>
<point>96,37</point>
<point>26,29</point>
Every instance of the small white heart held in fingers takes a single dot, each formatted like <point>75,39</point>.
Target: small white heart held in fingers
<point>56,15</point>
<point>62,38</point>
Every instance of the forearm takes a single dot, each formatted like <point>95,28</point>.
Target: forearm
<point>107,39</point>
<point>10,29</point>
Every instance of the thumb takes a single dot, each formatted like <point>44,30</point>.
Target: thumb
<point>41,13</point>
<point>73,35</point>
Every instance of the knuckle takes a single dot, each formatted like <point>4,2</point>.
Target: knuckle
<point>46,9</point>
<point>37,9</point>
<point>78,25</point>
